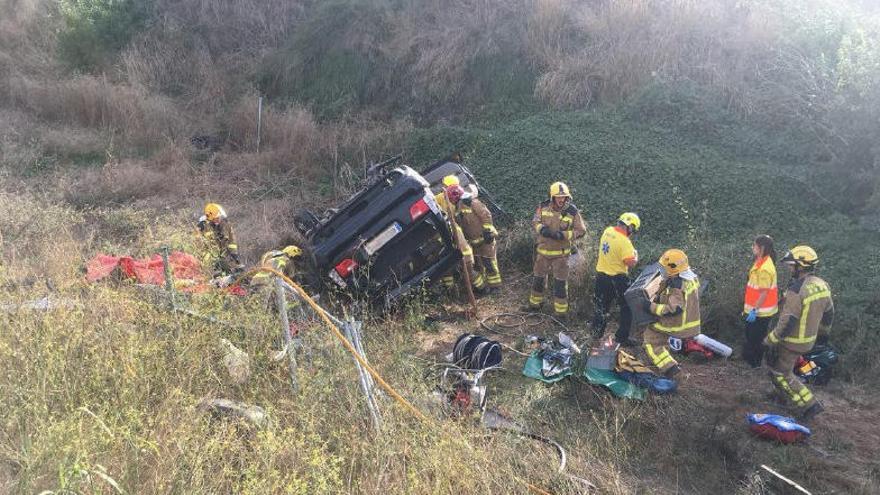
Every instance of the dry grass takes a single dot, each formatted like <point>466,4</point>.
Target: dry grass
<point>140,119</point>
<point>438,42</point>
<point>106,394</point>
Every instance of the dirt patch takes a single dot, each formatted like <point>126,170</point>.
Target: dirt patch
<point>701,432</point>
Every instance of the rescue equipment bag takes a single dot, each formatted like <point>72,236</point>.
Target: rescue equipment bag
<point>817,366</point>
<point>780,428</point>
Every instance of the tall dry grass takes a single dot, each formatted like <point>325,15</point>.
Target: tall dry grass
<point>438,42</point>
<point>103,395</point>
<point>140,119</point>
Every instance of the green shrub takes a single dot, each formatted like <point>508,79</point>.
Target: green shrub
<point>332,60</point>
<point>95,30</point>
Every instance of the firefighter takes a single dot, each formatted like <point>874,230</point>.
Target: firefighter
<point>807,314</point>
<point>283,261</point>
<point>616,256</point>
<point>761,299</point>
<point>557,223</point>
<point>451,196</point>
<point>215,227</point>
<point>677,308</point>
<point>440,197</point>
<point>476,224</point>
<point>280,260</point>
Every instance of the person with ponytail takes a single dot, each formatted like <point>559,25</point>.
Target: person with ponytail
<point>761,299</point>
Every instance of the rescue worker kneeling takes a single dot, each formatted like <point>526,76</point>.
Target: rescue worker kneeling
<point>216,228</point>
<point>806,316</point>
<point>452,195</point>
<point>557,223</point>
<point>677,307</point>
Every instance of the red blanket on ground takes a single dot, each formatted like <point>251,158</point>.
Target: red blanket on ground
<point>184,267</point>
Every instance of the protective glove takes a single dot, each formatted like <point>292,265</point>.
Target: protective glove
<point>559,235</point>
<point>488,236</point>
<point>752,316</point>
<point>548,232</point>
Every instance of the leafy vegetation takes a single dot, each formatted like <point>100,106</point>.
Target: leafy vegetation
<point>96,30</point>
<point>709,200</point>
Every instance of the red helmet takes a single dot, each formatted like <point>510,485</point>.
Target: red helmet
<point>454,193</point>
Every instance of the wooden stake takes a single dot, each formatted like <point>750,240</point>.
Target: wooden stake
<point>465,275</point>
<point>789,482</point>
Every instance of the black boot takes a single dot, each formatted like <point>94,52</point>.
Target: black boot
<point>812,411</point>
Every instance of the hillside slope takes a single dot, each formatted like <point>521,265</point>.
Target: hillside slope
<point>111,385</point>
<point>704,198</point>
<point>714,120</point>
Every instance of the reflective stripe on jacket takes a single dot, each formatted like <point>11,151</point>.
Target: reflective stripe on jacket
<point>222,233</point>
<point>568,221</point>
<point>807,312</point>
<point>678,308</point>
<point>474,218</point>
<point>278,261</point>
<point>762,276</point>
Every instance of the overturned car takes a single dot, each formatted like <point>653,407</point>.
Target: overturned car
<point>388,238</point>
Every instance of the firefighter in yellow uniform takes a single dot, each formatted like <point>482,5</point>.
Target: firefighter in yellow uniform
<point>280,260</point>
<point>557,223</point>
<point>216,228</point>
<point>476,224</point>
<point>452,194</point>
<point>677,308</point>
<point>807,314</point>
<point>440,197</point>
<point>616,256</point>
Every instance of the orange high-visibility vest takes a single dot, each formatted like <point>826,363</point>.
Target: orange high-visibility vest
<point>762,276</point>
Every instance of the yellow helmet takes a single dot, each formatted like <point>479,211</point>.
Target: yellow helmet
<point>804,256</point>
<point>292,251</point>
<point>451,180</point>
<point>674,261</point>
<point>631,220</point>
<point>559,189</point>
<point>214,212</point>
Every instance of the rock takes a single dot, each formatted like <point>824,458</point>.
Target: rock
<point>255,415</point>
<point>237,362</point>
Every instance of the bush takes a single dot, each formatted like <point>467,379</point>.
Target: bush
<point>96,29</point>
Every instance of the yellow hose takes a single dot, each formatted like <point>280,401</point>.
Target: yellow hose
<point>350,348</point>
<point>318,309</point>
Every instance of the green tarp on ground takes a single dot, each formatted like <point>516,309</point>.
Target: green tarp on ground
<point>617,385</point>
<point>606,378</point>
<point>532,369</point>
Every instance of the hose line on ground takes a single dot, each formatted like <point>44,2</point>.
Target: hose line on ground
<point>350,348</point>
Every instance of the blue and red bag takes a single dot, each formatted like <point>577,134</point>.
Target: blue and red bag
<point>779,428</point>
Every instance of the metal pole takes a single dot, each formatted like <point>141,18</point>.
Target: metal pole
<point>169,281</point>
<point>356,332</point>
<point>351,330</point>
<point>365,385</point>
<point>281,304</point>
<point>259,121</point>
